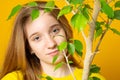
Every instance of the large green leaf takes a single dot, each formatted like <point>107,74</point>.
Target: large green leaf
<point>49,6</point>
<point>65,10</point>
<point>35,13</point>
<point>79,21</point>
<point>62,46</point>
<point>117,14</point>
<point>32,4</point>
<point>71,48</point>
<point>58,66</point>
<point>75,2</point>
<point>14,11</point>
<point>78,47</point>
<point>107,9</point>
<point>117,4</point>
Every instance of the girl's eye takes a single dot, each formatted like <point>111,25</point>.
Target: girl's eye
<point>36,38</point>
<point>55,31</point>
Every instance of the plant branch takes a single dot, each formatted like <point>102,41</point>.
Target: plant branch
<point>89,55</point>
<point>68,65</point>
<point>101,38</point>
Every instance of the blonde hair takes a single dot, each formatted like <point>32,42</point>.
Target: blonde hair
<point>18,55</point>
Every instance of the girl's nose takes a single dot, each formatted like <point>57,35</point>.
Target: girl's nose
<point>51,43</point>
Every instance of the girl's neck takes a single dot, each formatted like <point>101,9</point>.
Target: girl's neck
<point>49,70</point>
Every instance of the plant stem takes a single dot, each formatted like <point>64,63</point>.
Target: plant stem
<point>89,42</point>
<point>68,65</point>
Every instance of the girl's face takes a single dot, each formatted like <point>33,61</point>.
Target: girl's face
<point>43,37</point>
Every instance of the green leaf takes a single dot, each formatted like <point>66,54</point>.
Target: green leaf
<point>32,4</point>
<point>94,69</point>
<point>98,29</point>
<point>70,62</point>
<point>75,2</point>
<point>85,12</point>
<point>95,78</point>
<point>107,9</point>
<point>79,21</point>
<point>71,48</point>
<point>62,46</point>
<point>14,11</point>
<point>90,78</point>
<point>40,76</point>
<point>117,4</point>
<point>98,33</point>
<point>35,13</point>
<point>54,59</point>
<point>48,78</point>
<point>117,14</point>
<point>115,31</point>
<point>65,10</point>
<point>78,47</point>
<point>58,66</point>
<point>49,6</point>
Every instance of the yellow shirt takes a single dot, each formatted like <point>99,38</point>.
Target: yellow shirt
<point>17,75</point>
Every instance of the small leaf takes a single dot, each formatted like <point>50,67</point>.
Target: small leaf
<point>75,2</point>
<point>117,14</point>
<point>70,62</point>
<point>62,46</point>
<point>94,69</point>
<point>117,4</point>
<point>98,33</point>
<point>90,78</point>
<point>107,9</point>
<point>32,4</point>
<point>95,78</point>
<point>115,31</point>
<point>85,12</point>
<point>71,48</point>
<point>79,21</point>
<point>35,13</point>
<point>78,47</point>
<point>98,29</point>
<point>48,78</point>
<point>14,11</point>
<point>65,10</point>
<point>49,6</point>
<point>54,58</point>
<point>40,76</point>
<point>58,65</point>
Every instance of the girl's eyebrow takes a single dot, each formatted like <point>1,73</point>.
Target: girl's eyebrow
<point>57,24</point>
<point>33,34</point>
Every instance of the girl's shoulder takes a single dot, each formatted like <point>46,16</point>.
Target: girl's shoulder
<point>15,75</point>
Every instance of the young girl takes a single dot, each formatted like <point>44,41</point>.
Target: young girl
<point>34,44</point>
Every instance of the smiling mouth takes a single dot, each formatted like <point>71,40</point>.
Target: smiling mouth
<point>53,53</point>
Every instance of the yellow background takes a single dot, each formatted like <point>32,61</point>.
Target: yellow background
<point>108,58</point>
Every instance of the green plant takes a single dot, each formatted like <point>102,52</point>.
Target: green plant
<point>84,14</point>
